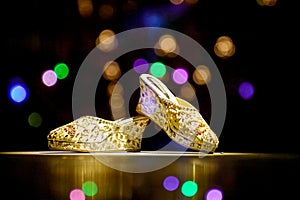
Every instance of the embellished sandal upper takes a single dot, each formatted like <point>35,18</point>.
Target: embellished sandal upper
<point>178,118</point>
<point>89,133</point>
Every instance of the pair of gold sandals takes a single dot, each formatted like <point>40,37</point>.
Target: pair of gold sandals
<point>180,120</point>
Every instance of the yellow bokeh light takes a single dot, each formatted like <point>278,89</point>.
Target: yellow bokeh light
<point>266,2</point>
<point>106,41</point>
<point>201,75</point>
<point>118,114</point>
<point>117,105</point>
<point>167,43</point>
<point>176,2</point>
<point>166,46</point>
<point>187,92</point>
<point>106,11</point>
<point>114,87</point>
<point>85,8</point>
<point>117,101</point>
<point>111,71</point>
<point>224,47</point>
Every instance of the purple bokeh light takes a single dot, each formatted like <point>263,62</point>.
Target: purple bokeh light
<point>49,78</point>
<point>180,76</point>
<point>77,194</point>
<point>246,90</point>
<point>214,194</point>
<point>171,183</point>
<point>140,65</point>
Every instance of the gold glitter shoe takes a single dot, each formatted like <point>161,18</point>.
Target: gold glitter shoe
<point>89,134</point>
<point>182,122</point>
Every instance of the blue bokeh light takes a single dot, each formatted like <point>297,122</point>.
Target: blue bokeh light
<point>152,19</point>
<point>18,93</point>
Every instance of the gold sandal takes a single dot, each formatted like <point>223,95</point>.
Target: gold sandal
<point>89,133</point>
<point>182,122</point>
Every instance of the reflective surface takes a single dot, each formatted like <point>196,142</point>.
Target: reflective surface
<point>56,175</point>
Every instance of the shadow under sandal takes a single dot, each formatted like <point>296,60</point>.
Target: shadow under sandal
<point>182,122</point>
<point>89,133</point>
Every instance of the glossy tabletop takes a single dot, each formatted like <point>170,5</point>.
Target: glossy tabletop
<point>149,175</point>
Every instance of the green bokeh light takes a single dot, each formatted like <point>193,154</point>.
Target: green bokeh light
<point>89,188</point>
<point>61,70</point>
<point>189,188</point>
<point>35,119</point>
<point>158,69</point>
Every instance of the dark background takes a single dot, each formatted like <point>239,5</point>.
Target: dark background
<point>35,35</point>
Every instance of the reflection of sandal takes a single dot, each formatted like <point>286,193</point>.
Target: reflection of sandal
<point>89,133</point>
<point>181,121</point>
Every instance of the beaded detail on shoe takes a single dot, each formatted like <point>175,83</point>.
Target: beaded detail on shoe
<point>182,122</point>
<point>89,133</point>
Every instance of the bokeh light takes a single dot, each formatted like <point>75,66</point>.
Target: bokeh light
<point>117,105</point>
<point>107,41</point>
<point>176,2</point>
<point>224,47</point>
<point>140,65</point>
<point>269,2</point>
<point>187,92</point>
<point>89,188</point>
<point>266,2</point>
<point>171,183</point>
<point>106,11</point>
<point>35,119</point>
<point>49,78</point>
<point>114,87</point>
<point>18,93</point>
<point>111,71</point>
<point>117,101</point>
<point>201,75</point>
<point>85,8</point>
<point>61,70</point>
<point>151,18</point>
<point>77,194</point>
<point>158,69</point>
<point>189,188</point>
<point>166,46</point>
<point>214,194</point>
<point>167,43</point>
<point>180,76</point>
<point>246,90</point>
